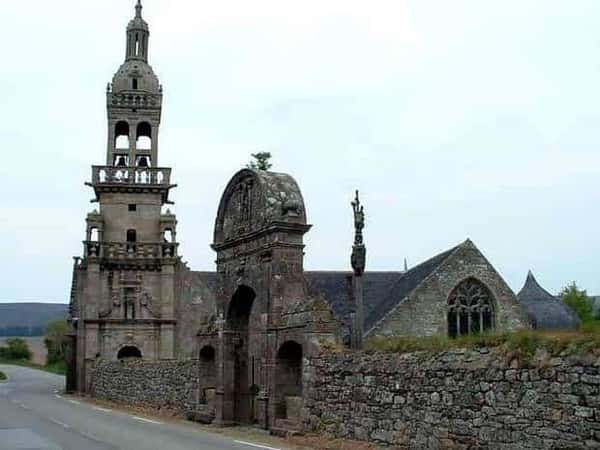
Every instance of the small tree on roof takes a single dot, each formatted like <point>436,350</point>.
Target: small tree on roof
<point>261,161</point>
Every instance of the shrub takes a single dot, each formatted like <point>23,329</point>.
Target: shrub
<point>56,341</point>
<point>3,376</point>
<point>523,342</point>
<point>580,302</point>
<point>16,350</point>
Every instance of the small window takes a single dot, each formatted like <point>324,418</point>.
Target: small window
<point>132,208</point>
<point>135,83</point>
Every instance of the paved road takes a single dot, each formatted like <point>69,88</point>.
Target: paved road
<point>34,416</point>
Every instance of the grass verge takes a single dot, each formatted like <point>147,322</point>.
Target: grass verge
<point>59,368</point>
<point>524,342</point>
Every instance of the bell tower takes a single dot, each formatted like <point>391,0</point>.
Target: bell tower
<point>123,300</point>
<point>134,102</point>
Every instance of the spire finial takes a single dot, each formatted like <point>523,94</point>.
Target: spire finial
<point>138,9</point>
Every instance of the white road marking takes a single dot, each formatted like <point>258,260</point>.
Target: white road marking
<point>75,402</point>
<point>146,420</point>
<point>255,445</point>
<point>97,408</point>
<point>58,422</point>
<point>58,396</point>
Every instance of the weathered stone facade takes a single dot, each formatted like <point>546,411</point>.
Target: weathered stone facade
<point>423,310</point>
<point>455,399</point>
<point>266,322</point>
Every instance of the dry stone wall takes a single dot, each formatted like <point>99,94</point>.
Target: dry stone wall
<point>457,399</point>
<point>171,385</point>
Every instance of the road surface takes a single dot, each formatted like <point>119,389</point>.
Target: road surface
<point>35,416</point>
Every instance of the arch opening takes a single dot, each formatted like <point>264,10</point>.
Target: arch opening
<point>122,135</point>
<point>144,136</point>
<point>470,309</point>
<point>129,352</point>
<point>240,376</point>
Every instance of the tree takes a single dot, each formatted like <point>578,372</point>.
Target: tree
<point>56,341</point>
<point>261,161</point>
<point>578,300</point>
<point>16,350</point>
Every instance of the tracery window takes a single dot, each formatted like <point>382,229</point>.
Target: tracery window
<point>470,309</point>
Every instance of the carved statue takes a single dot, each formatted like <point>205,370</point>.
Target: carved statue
<point>359,219</point>
<point>358,250</point>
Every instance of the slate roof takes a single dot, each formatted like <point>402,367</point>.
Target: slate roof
<point>382,290</point>
<point>546,311</point>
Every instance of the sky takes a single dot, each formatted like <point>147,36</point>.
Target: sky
<point>463,119</point>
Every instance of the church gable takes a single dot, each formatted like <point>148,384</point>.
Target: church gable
<point>464,271</point>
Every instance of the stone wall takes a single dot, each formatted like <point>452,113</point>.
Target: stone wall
<point>171,385</point>
<point>456,399</point>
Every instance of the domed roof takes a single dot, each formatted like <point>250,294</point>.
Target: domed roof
<point>140,70</point>
<point>546,311</point>
<point>256,199</point>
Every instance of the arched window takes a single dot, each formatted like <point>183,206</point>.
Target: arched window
<point>470,309</point>
<point>94,234</point>
<point>144,136</point>
<point>129,351</point>
<point>122,135</point>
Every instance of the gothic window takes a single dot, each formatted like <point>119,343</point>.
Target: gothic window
<point>122,135</point>
<point>134,83</point>
<point>144,136</point>
<point>470,309</point>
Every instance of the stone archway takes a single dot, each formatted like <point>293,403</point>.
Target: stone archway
<point>237,381</point>
<point>288,382</point>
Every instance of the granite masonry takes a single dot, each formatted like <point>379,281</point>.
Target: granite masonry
<point>455,399</point>
<point>166,385</point>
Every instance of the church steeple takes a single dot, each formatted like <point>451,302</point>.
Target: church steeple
<point>138,35</point>
<point>134,102</point>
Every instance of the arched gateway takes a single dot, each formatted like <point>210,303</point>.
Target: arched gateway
<point>262,294</point>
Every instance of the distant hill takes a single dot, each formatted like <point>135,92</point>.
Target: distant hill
<point>29,319</point>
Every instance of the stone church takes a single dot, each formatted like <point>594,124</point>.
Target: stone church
<point>252,321</point>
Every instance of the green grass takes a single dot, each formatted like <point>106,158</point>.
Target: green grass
<point>59,368</point>
<point>3,376</point>
<point>525,342</point>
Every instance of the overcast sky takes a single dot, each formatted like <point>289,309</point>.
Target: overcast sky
<point>455,119</point>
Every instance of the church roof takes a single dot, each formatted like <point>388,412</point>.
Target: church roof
<point>546,311</point>
<point>382,290</point>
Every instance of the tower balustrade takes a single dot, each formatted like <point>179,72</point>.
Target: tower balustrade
<point>130,250</point>
<point>117,175</point>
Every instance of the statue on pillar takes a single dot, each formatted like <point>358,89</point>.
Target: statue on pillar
<point>358,261</point>
<point>358,250</point>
